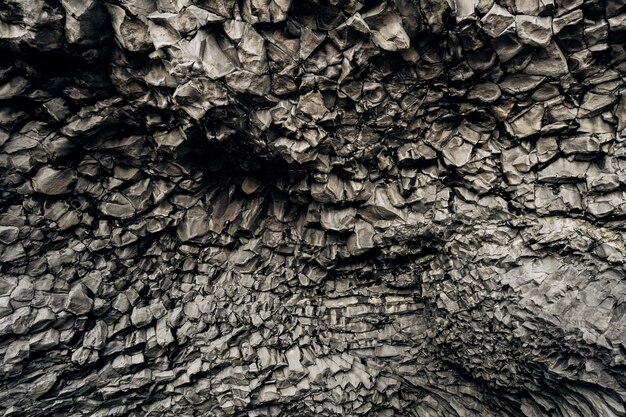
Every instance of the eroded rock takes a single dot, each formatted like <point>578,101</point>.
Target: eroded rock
<point>280,208</point>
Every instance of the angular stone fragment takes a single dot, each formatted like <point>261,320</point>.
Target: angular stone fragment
<point>247,82</point>
<point>8,31</point>
<point>172,138</point>
<point>266,10</point>
<point>84,20</point>
<point>567,198</point>
<point>8,234</point>
<point>131,33</point>
<point>195,224</point>
<point>7,285</point>
<point>520,83</point>
<point>14,87</point>
<point>337,219</point>
<point>463,8</point>
<point>411,152</point>
<point>533,30</point>
<point>204,49</point>
<point>96,338</point>
<point>312,106</point>
<point>497,20</point>
<point>580,144</point>
<point>363,238</point>
<point>620,112</point>
<point>44,340</point>
<point>162,35</point>
<point>527,123</point>
<point>42,386</point>
<point>43,319</point>
<point>22,319</point>
<point>618,22</point>
<point>5,306</point>
<point>330,192</point>
<point>52,181</point>
<point>118,206</point>
<point>457,151</point>
<point>309,41</point>
<point>485,92</point>
<point>251,47</point>
<point>121,303</point>
<point>16,352</point>
<point>562,170</point>
<point>164,335</point>
<point>379,208</point>
<point>605,205</point>
<point>198,96</point>
<point>593,104</point>
<point>570,19</point>
<point>548,61</point>
<point>141,316</point>
<point>24,291</point>
<point>387,31</point>
<point>594,125</point>
<point>13,252</point>
<point>78,301</point>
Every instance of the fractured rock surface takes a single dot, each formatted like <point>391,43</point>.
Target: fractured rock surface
<point>316,207</point>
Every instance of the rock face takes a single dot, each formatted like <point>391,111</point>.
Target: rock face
<point>315,207</point>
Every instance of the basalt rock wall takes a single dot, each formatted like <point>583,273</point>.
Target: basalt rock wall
<point>312,207</point>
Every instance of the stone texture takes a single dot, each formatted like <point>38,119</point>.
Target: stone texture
<point>312,208</point>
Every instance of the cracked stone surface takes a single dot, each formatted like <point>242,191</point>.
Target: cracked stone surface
<point>313,207</point>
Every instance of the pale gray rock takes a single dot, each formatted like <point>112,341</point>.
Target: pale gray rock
<point>593,104</point>
<point>337,219</point>
<point>42,386</point>
<point>16,352</point>
<point>485,92</point>
<point>520,83</point>
<point>43,319</point>
<point>13,252</point>
<point>164,335</point>
<point>363,238</point>
<point>533,30</point>
<point>580,144</point>
<point>53,181</point>
<point>96,338</point>
<point>457,151</point>
<point>43,341</point>
<point>24,291</point>
<point>21,320</point>
<point>78,301</point>
<point>7,284</point>
<point>195,223</point>
<point>13,87</point>
<point>528,123</point>
<point>141,316</point>
<point>117,205</point>
<point>387,30</point>
<point>548,61</point>
<point>497,20</point>
<point>563,169</point>
<point>618,22</point>
<point>5,306</point>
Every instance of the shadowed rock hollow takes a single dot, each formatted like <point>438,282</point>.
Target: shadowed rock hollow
<point>295,208</point>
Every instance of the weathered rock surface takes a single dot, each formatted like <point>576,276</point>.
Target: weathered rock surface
<point>296,208</point>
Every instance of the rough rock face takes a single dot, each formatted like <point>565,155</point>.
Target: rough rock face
<point>312,207</point>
